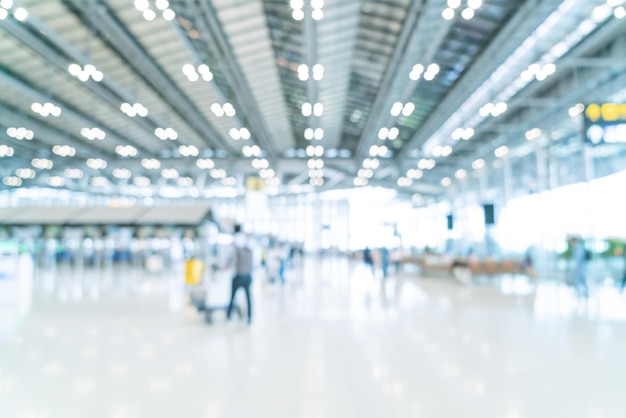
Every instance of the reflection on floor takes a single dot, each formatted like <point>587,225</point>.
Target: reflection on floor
<point>335,341</point>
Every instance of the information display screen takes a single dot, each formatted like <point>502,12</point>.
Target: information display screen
<point>605,123</point>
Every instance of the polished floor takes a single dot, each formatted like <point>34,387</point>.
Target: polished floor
<point>334,342</point>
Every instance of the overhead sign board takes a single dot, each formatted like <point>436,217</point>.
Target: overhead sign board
<point>605,123</point>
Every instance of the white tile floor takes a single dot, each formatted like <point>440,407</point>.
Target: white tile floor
<point>333,343</point>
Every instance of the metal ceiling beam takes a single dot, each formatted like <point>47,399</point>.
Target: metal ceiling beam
<point>36,95</point>
<point>391,73</point>
<point>239,84</point>
<point>129,49</point>
<point>60,53</point>
<point>11,117</point>
<point>525,20</point>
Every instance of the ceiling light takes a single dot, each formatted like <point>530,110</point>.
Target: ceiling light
<point>6,151</point>
<point>136,109</point>
<point>318,70</point>
<point>404,182</point>
<point>446,150</point>
<point>151,163</point>
<point>498,109</point>
<point>467,133</point>
<point>84,73</point>
<point>46,109</point>
<point>467,13</point>
<point>26,173</point>
<point>478,164</point>
<point>306,109</point>
<point>218,173</point>
<point>20,133</point>
<point>318,109</point>
<point>460,173</point>
<point>576,110</point>
<point>317,14</point>
<point>549,68</point>
<point>303,75</point>
<point>457,134</point>
<point>149,14</point>
<point>533,134</point>
<point>121,173</point>
<point>3,15</point>
<point>141,5</point>
<point>318,134</point>
<point>408,109</point>
<point>73,173</point>
<point>415,173</point>
<point>501,151</point>
<point>619,12</point>
<point>162,4</point>
<point>297,14</point>
<point>601,12</point>
<point>126,150</point>
<point>188,150</point>
<point>396,108</point>
<point>244,133</point>
<point>454,3</point>
<point>169,173</point>
<point>42,163</point>
<point>12,181</point>
<point>446,181</point>
<point>229,109</point>
<point>474,4</point>
<point>371,163</point>
<point>234,134</point>
<point>96,163</point>
<point>308,133</point>
<point>141,181</point>
<point>448,13</point>
<point>99,181</point>
<point>383,133</point>
<point>393,133</point>
<point>20,14</point>
<point>296,4</point>
<point>205,163</point>
<point>217,110</point>
<point>360,181</point>
<point>64,150</point>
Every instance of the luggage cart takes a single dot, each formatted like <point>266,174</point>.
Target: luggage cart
<point>197,289</point>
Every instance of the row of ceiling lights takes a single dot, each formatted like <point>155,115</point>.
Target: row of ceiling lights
<point>310,133</point>
<point>86,72</point>
<point>221,110</point>
<point>149,14</point>
<point>19,13</point>
<point>367,172</point>
<point>316,109</point>
<point>297,6</point>
<point>317,72</point>
<point>203,71</point>
<point>418,69</point>
<point>467,13</point>
<point>545,67</point>
<point>20,133</point>
<point>46,109</point>
<point>6,151</point>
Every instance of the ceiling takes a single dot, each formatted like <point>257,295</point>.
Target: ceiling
<point>228,75</point>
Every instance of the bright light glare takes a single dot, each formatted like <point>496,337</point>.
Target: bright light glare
<point>20,14</point>
<point>448,13</point>
<point>467,13</point>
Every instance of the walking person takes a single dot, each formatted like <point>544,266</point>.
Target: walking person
<point>579,264</point>
<point>243,262</point>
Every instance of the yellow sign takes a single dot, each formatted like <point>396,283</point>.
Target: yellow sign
<point>607,112</point>
<point>254,183</point>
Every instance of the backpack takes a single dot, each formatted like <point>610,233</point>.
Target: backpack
<point>243,260</point>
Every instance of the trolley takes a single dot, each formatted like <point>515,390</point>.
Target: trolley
<point>197,289</point>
